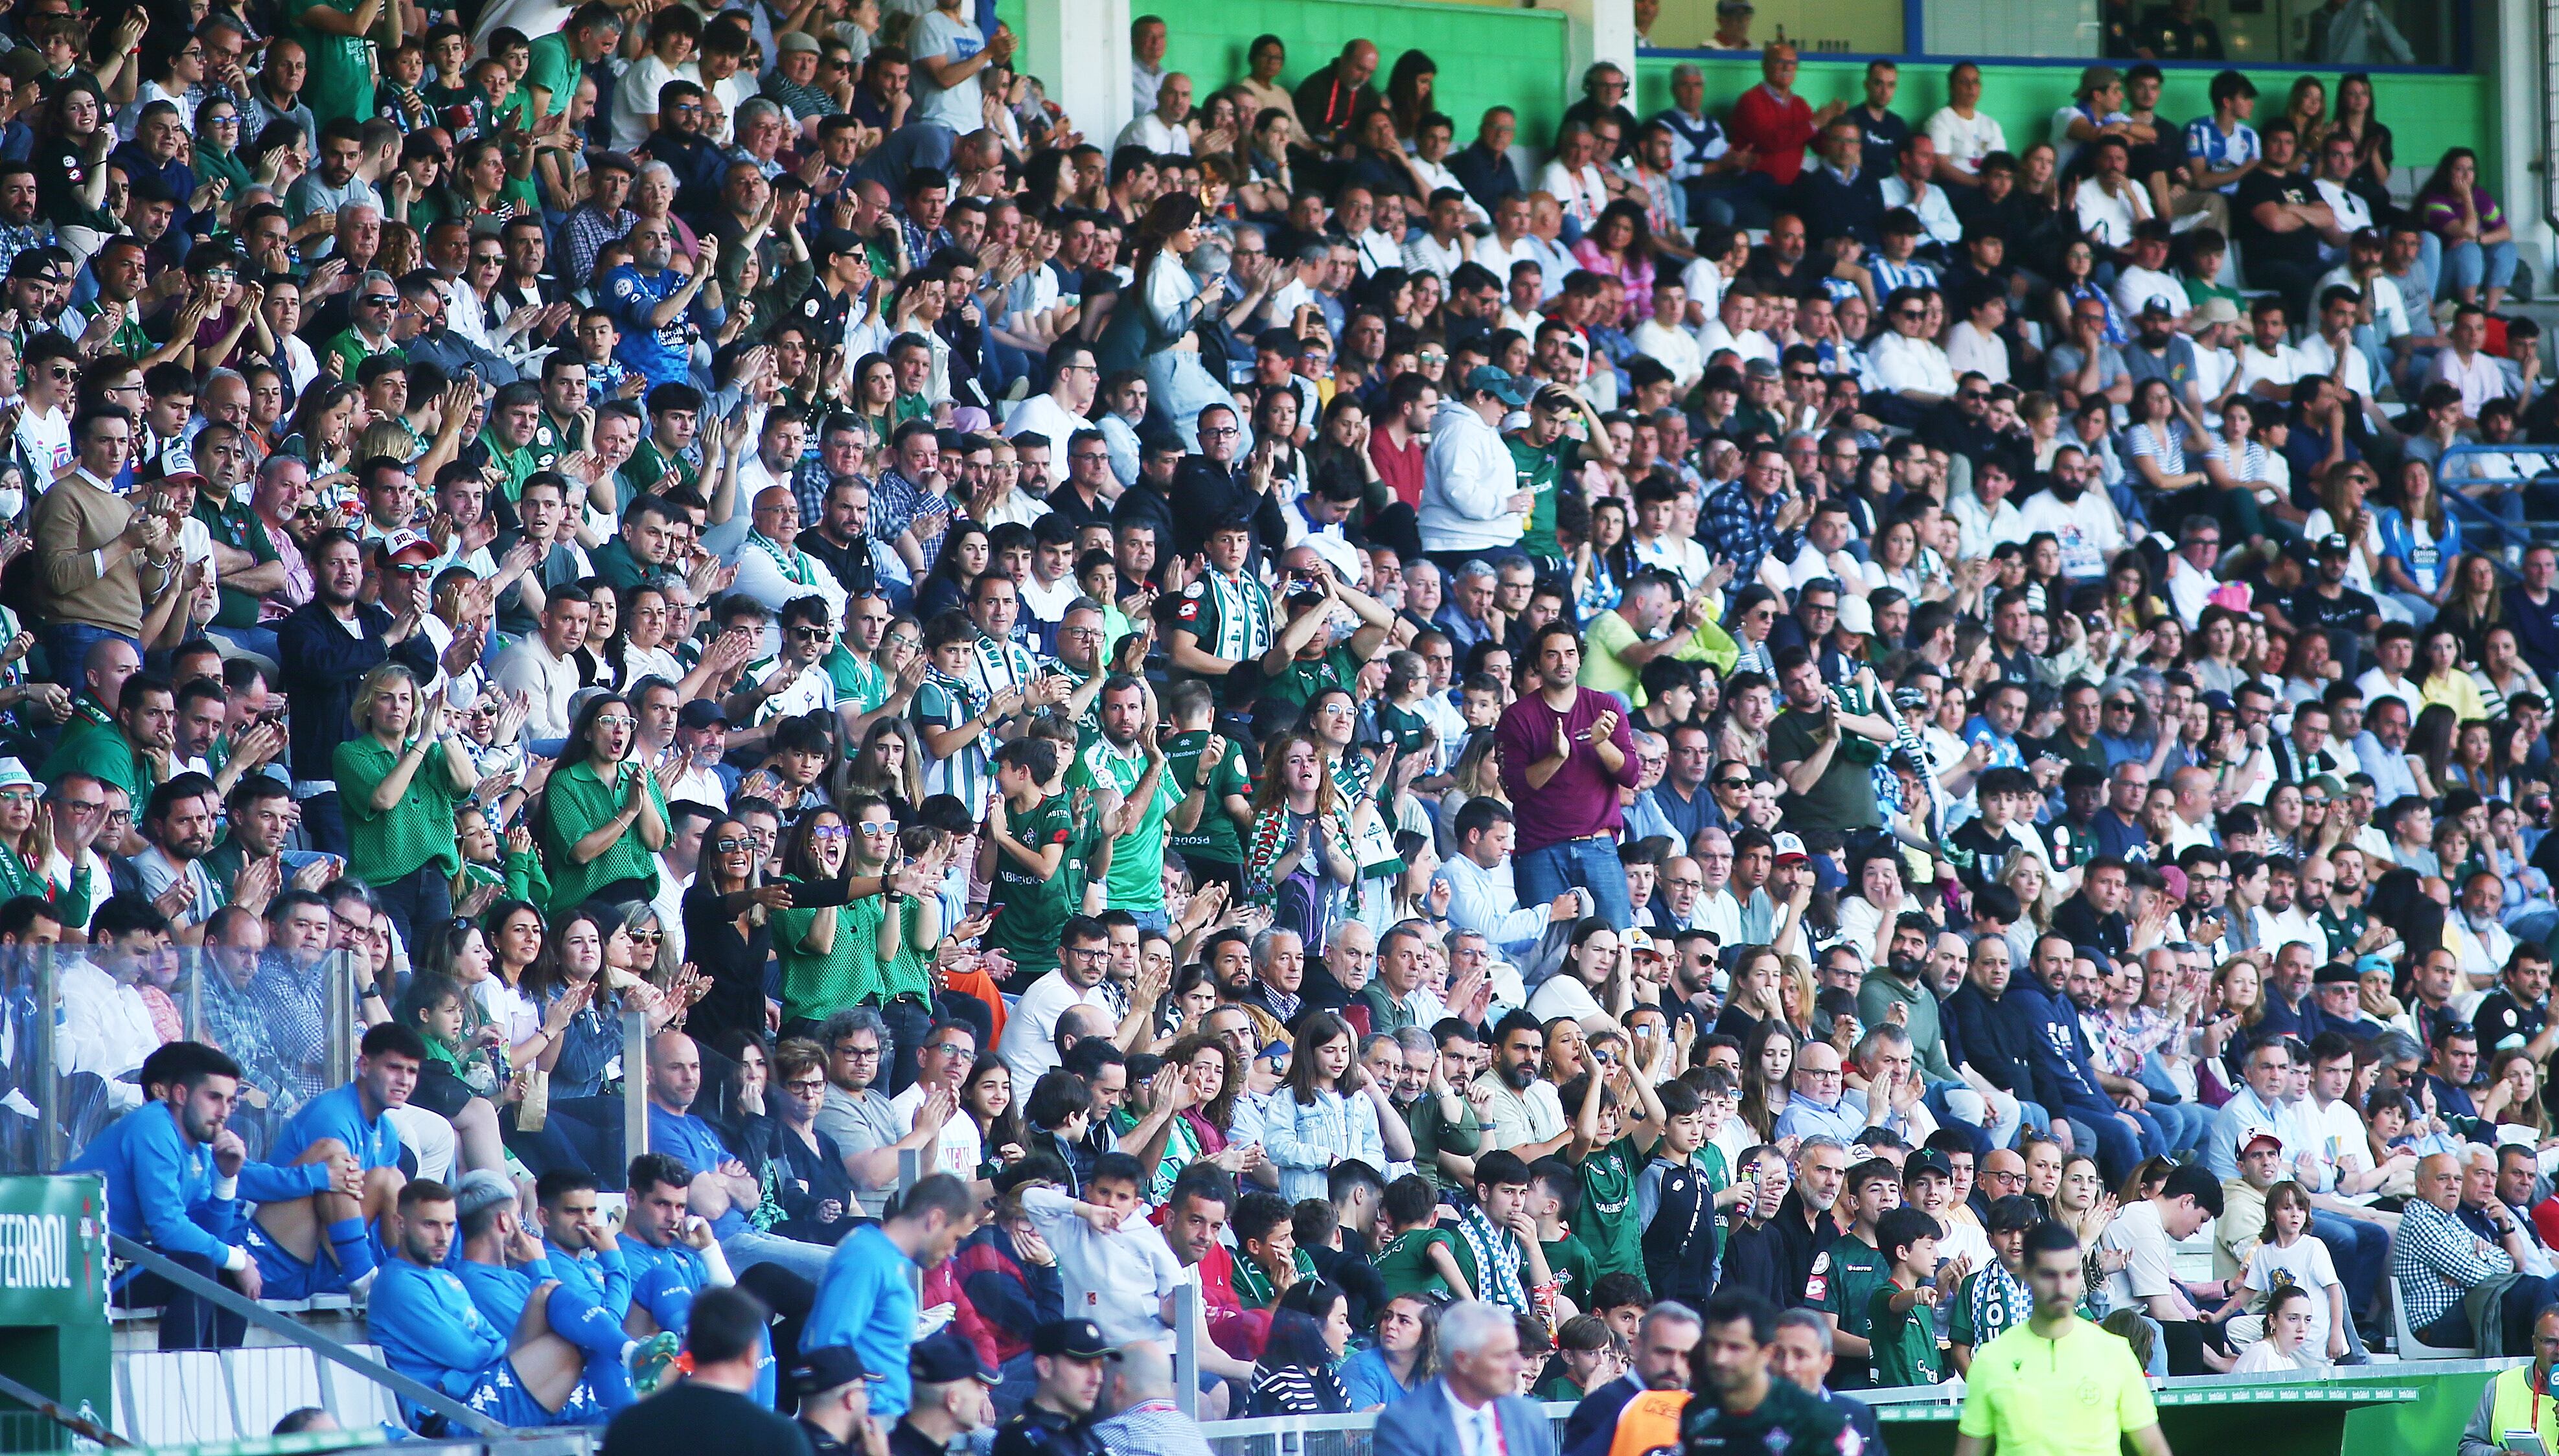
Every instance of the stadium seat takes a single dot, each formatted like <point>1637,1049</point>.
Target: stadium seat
<point>2412,1347</point>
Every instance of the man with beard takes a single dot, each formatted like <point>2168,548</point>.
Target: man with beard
<point>1663,1342</point>
<point>176,1176</point>
<point>659,310</point>
<point>2083,521</point>
<point>178,823</point>
<point>2329,603</point>
<point>1128,763</point>
<point>1898,992</point>
<point>1519,1109</point>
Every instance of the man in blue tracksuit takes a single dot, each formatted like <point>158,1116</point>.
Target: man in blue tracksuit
<point>2066,1080</point>
<point>672,1256</point>
<point>324,1243</point>
<point>507,1271</point>
<point>430,1330</point>
<point>176,1180</point>
<point>868,1299</point>
<point>583,1253</point>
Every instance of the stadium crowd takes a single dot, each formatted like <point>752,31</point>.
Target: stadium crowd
<point>1701,752</point>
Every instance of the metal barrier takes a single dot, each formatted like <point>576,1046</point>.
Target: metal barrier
<point>75,1022</point>
<point>2472,464</point>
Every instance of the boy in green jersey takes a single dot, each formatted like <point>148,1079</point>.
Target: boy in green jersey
<point>1205,826</point>
<point>1021,855</point>
<point>1555,1201</point>
<point>1847,1274</point>
<point>1901,1314</point>
<point>1420,1257</point>
<point>1618,1120</point>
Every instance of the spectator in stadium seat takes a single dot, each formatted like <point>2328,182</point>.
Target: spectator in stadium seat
<point>2436,1261</point>
<point>325,1243</point>
<point>1776,124</point>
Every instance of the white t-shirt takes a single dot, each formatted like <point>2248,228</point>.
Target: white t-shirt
<point>957,1147</point>
<point>2151,1268</point>
<point>2305,1264</point>
<point>1029,1043</point>
<point>954,38</point>
<point>636,95</point>
<point>1966,142</point>
<point>47,444</point>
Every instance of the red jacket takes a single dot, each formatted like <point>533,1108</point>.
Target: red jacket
<point>1778,129</point>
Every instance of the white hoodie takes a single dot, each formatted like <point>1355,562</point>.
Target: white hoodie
<point>1466,475</point>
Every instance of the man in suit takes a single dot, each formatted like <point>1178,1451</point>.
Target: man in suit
<point>1662,1344</point>
<point>1472,1408</point>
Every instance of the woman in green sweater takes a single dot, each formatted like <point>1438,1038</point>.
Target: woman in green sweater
<point>832,956</point>
<point>604,819</point>
<point>399,779</point>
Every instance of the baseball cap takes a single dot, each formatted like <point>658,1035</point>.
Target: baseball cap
<point>826,1367</point>
<point>2218,310</point>
<point>1927,1160</point>
<point>1498,383</point>
<point>1789,846</point>
<point>946,1357</point>
<point>2249,1144</point>
<point>703,712</point>
<point>1734,7</point>
<point>1074,1339</point>
<point>2155,308</point>
<point>1855,618</point>
<point>2334,545</point>
<point>2370,964</point>
<point>400,542</point>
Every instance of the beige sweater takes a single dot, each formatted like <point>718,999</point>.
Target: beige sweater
<point>72,522</point>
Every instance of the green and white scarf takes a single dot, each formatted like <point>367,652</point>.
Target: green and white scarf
<point>792,562</point>
<point>1244,615</point>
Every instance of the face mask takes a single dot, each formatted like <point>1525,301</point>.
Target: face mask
<point>12,502</point>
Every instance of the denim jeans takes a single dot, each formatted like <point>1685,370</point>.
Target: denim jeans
<point>750,1246</point>
<point>2118,1147</point>
<point>1545,872</point>
<point>66,644</point>
<point>258,641</point>
<point>422,897</point>
<point>2468,266</point>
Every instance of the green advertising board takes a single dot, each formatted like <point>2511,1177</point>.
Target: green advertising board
<point>54,1332</point>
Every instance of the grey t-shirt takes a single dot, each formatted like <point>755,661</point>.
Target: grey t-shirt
<point>955,39</point>
<point>862,1124</point>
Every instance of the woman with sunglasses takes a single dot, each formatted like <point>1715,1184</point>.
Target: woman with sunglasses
<point>603,817</point>
<point>399,779</point>
<point>831,954</point>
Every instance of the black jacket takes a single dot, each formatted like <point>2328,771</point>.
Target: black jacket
<point>323,664</point>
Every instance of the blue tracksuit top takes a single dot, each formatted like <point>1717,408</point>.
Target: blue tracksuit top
<point>663,1281</point>
<point>339,1114</point>
<point>160,1185</point>
<point>2063,1076</point>
<point>865,1301</point>
<point>429,1328</point>
<point>601,1277</point>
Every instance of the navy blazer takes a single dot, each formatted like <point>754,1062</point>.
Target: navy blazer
<point>1424,1423</point>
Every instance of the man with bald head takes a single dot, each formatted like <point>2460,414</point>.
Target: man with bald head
<point>2437,1259</point>
<point>2193,821</point>
<point>1331,101</point>
<point>1138,1391</point>
<point>773,569</point>
<point>1683,887</point>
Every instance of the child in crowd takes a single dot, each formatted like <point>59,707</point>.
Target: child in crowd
<point>1903,1334</point>
<point>1420,1257</point>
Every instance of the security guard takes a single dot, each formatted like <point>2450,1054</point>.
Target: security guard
<point>2520,1399</point>
<point>1058,1421</point>
<point>953,1399</point>
<point>834,1388</point>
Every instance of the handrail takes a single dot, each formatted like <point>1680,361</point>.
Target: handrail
<point>53,1410</point>
<point>434,1401</point>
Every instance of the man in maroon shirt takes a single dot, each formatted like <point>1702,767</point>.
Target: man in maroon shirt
<point>1771,119</point>
<point>1565,751</point>
<point>1396,447</point>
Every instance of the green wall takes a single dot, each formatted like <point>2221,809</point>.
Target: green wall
<point>2425,114</point>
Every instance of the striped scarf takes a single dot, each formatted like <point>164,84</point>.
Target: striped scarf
<point>1244,615</point>
<point>1497,1260</point>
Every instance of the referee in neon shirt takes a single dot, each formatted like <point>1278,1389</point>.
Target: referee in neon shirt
<point>2058,1385</point>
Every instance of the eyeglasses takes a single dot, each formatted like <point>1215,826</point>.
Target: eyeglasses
<point>614,720</point>
<point>1730,784</point>
<point>1086,952</point>
<point>812,634</point>
<point>858,1054</point>
<point>880,830</point>
<point>1219,432</point>
<point>647,937</point>
<point>950,1049</point>
<point>379,301</point>
<point>808,1083</point>
<point>831,832</point>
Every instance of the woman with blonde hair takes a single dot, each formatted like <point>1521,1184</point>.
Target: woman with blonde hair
<point>2038,893</point>
<point>399,779</point>
<point>1797,994</point>
<point>1753,1000</point>
<point>2238,1003</point>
